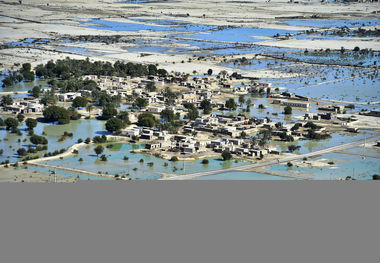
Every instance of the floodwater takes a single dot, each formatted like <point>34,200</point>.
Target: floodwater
<point>133,167</point>
<point>333,23</point>
<point>80,128</point>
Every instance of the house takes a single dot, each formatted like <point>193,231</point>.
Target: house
<point>152,146</point>
<point>69,96</point>
<point>295,104</point>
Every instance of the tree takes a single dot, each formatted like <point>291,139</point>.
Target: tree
<point>375,177</point>
<point>209,72</point>
<point>241,99</point>
<point>205,161</point>
<point>114,125</point>
<point>141,103</point>
<point>2,122</point>
<point>36,91</point>
<point>88,140</point>
<point>108,112</point>
<point>311,125</point>
<point>6,100</point>
<point>89,109</point>
<point>169,96</point>
<point>151,87</point>
<point>288,110</point>
<point>31,123</point>
<point>20,117</point>
<point>146,120</point>
<point>99,150</point>
<point>124,117</point>
<point>192,114</point>
<point>231,104</point>
<point>226,155</point>
<point>295,127</point>
<point>56,113</point>
<point>11,124</point>
<point>21,152</point>
<point>206,106</point>
<point>167,115</point>
<point>35,139</point>
<point>79,102</point>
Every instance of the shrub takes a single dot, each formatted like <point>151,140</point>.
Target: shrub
<point>205,161</point>
<point>226,155</point>
<point>174,159</point>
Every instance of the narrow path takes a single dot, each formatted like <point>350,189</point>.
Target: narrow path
<point>70,170</point>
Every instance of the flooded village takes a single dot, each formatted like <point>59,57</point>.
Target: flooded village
<point>153,90</point>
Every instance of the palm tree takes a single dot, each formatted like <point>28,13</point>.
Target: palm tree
<point>89,109</point>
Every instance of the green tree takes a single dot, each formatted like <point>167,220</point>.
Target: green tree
<point>288,110</point>
<point>192,114</point>
<point>141,103</point>
<point>56,113</point>
<point>206,106</point>
<point>99,150</point>
<point>36,91</point>
<point>108,112</point>
<point>6,100</point>
<point>89,109</point>
<point>11,124</point>
<point>167,115</point>
<point>209,72</point>
<point>226,155</point>
<point>79,102</point>
<point>231,104</point>
<point>114,125</point>
<point>35,139</point>
<point>21,152</point>
<point>169,96</point>
<point>241,99</point>
<point>151,87</point>
<point>375,177</point>
<point>20,117</point>
<point>146,120</point>
<point>2,122</point>
<point>124,117</point>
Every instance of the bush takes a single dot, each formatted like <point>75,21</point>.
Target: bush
<point>103,158</point>
<point>88,140</point>
<point>80,140</point>
<point>174,159</point>
<point>289,164</point>
<point>35,139</point>
<point>376,177</point>
<point>21,152</point>
<point>205,161</point>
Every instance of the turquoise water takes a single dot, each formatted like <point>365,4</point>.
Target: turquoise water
<point>333,23</point>
<point>335,83</point>
<point>22,86</point>
<point>344,165</point>
<point>239,35</point>
<point>242,176</point>
<point>80,129</point>
<point>116,164</point>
